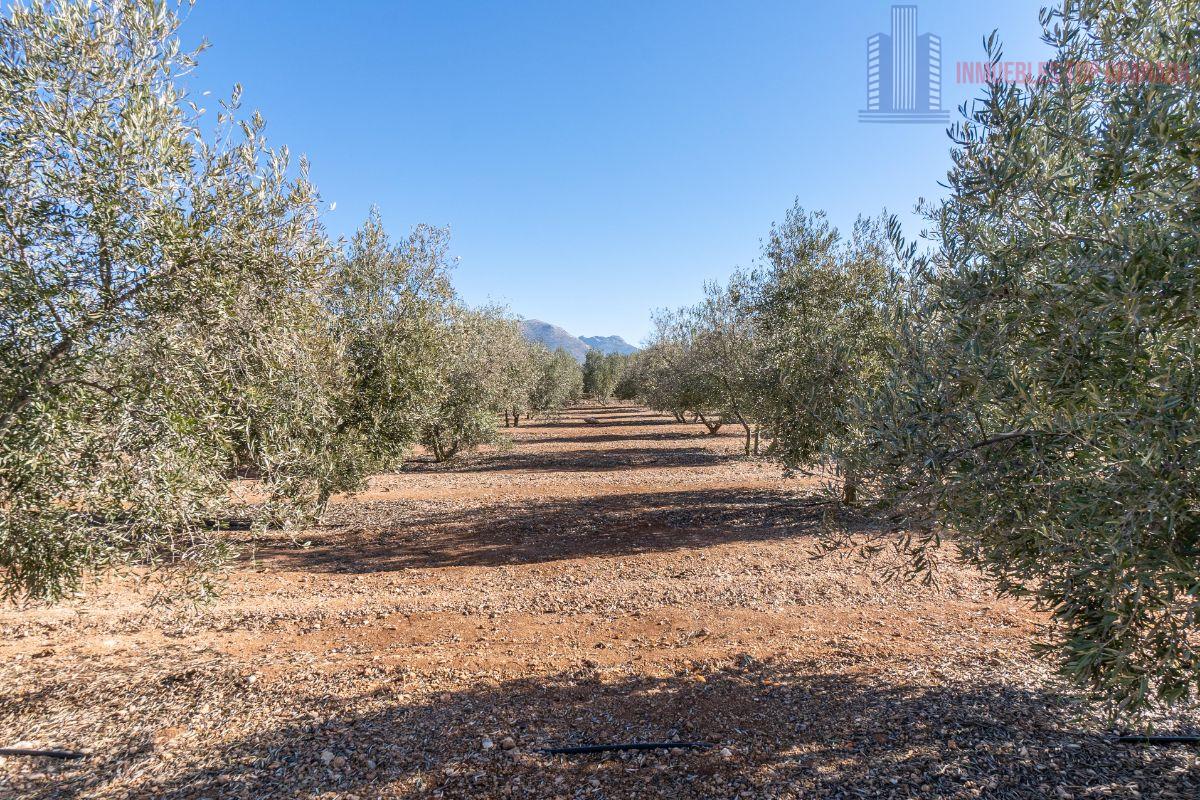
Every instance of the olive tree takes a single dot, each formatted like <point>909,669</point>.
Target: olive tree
<point>821,334</point>
<point>559,380</point>
<point>270,379</point>
<point>391,302</point>
<point>523,368</point>
<point>122,228</point>
<point>601,374</point>
<point>681,371</point>
<point>725,368</point>
<point>1043,402</point>
<point>661,367</point>
<point>474,384</point>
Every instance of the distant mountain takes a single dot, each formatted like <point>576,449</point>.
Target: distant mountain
<point>609,344</point>
<point>554,337</point>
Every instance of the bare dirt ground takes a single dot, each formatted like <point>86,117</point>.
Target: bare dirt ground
<point>632,580</point>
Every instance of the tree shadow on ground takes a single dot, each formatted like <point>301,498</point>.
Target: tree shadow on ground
<point>604,416</point>
<point>697,434</point>
<point>639,421</point>
<point>800,730</point>
<point>615,458</point>
<point>598,410</point>
<point>417,536</point>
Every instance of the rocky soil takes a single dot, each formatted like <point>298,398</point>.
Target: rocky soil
<point>631,580</point>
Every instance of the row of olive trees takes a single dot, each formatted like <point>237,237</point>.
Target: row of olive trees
<point>781,347</point>
<point>602,374</point>
<point>174,316</point>
<point>1028,388</point>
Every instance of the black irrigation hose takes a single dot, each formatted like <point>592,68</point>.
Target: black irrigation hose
<point>1177,739</point>
<point>22,751</point>
<point>608,748</point>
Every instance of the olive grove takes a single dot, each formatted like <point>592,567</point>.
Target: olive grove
<point>184,346</point>
<point>1025,387</point>
<point>602,374</point>
<point>1041,404</point>
<point>175,317</point>
<point>781,348</point>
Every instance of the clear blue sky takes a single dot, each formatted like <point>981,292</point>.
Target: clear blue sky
<point>594,159</point>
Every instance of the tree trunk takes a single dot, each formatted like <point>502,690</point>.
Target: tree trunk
<point>745,427</point>
<point>850,488</point>
<point>713,427</point>
<point>322,503</point>
<point>435,440</point>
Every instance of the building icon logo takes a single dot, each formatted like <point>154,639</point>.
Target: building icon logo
<point>904,74</point>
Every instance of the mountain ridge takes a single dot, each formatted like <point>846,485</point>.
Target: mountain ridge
<point>554,337</point>
<point>609,344</point>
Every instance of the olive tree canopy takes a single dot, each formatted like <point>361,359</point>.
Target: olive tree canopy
<point>1043,405</point>
<point>121,227</point>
